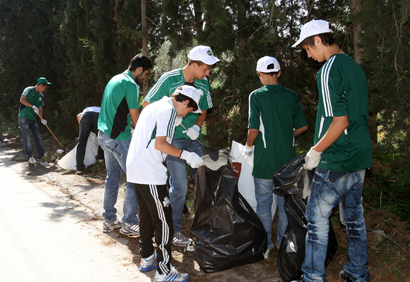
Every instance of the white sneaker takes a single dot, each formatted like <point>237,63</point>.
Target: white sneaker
<point>32,160</point>
<point>130,230</point>
<point>148,263</point>
<point>173,275</point>
<point>180,240</point>
<point>109,226</point>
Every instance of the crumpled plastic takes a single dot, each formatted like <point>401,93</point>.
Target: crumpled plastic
<point>228,231</point>
<point>293,182</point>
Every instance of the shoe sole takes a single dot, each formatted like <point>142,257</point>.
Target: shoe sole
<point>146,269</point>
<point>129,234</point>
<point>186,280</point>
<point>106,229</point>
<point>179,245</point>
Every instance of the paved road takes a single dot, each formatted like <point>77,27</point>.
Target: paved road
<point>46,237</point>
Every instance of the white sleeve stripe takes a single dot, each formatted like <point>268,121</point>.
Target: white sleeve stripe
<point>171,124</point>
<point>322,120</point>
<point>262,130</point>
<point>25,92</point>
<point>165,229</point>
<point>161,80</point>
<point>206,92</point>
<point>249,107</point>
<point>327,103</point>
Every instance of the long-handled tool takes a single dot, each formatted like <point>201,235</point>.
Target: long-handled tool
<point>52,133</point>
<point>212,152</point>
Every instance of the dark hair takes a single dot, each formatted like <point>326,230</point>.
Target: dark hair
<point>328,39</point>
<point>179,97</point>
<point>269,67</point>
<point>140,61</point>
<point>270,73</point>
<point>200,63</point>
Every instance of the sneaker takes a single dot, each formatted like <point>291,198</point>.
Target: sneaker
<point>109,226</point>
<point>32,160</point>
<point>344,276</point>
<point>180,240</point>
<point>100,160</point>
<point>149,263</point>
<point>173,275</point>
<point>130,230</point>
<point>79,172</point>
<point>266,254</point>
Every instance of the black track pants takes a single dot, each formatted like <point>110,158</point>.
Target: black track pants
<point>155,215</point>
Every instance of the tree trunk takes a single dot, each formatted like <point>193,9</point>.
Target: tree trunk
<point>144,41</point>
<point>242,40</point>
<point>355,6</point>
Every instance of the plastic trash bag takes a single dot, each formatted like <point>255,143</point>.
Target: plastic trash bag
<point>293,182</point>
<point>228,232</point>
<point>243,165</point>
<point>91,151</point>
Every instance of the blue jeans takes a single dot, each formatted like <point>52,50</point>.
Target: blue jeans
<point>27,125</point>
<point>264,199</point>
<point>327,190</point>
<point>178,178</point>
<point>115,153</point>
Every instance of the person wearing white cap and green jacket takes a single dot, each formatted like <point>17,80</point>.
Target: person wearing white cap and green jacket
<point>341,153</point>
<point>32,103</point>
<point>201,61</point>
<point>275,118</point>
<point>150,144</point>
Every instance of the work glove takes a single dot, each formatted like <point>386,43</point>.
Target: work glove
<point>192,132</point>
<point>248,150</point>
<point>44,122</point>
<point>35,109</point>
<point>192,159</point>
<point>312,159</point>
<point>178,121</point>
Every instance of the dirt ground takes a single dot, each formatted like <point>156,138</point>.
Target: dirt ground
<point>388,239</point>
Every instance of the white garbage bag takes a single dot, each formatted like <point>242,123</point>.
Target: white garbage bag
<point>68,161</point>
<point>243,166</point>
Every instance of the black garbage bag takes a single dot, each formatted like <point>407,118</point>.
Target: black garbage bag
<point>293,182</point>
<point>228,232</point>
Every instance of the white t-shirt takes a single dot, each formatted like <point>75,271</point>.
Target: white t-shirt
<point>92,109</point>
<point>144,162</point>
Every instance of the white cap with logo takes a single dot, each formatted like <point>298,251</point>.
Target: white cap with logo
<point>204,54</point>
<point>314,27</point>
<point>264,62</point>
<point>192,93</point>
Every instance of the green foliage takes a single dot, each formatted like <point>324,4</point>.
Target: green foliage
<point>392,192</point>
<point>386,57</point>
<point>77,45</point>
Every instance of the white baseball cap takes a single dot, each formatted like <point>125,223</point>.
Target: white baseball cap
<point>314,27</point>
<point>191,92</point>
<point>204,54</point>
<point>264,62</point>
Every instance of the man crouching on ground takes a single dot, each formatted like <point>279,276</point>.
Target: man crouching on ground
<point>150,144</point>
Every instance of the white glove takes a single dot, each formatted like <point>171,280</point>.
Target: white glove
<point>192,132</point>
<point>43,121</point>
<point>248,150</point>
<point>312,159</point>
<point>178,121</point>
<point>35,109</point>
<point>192,159</point>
